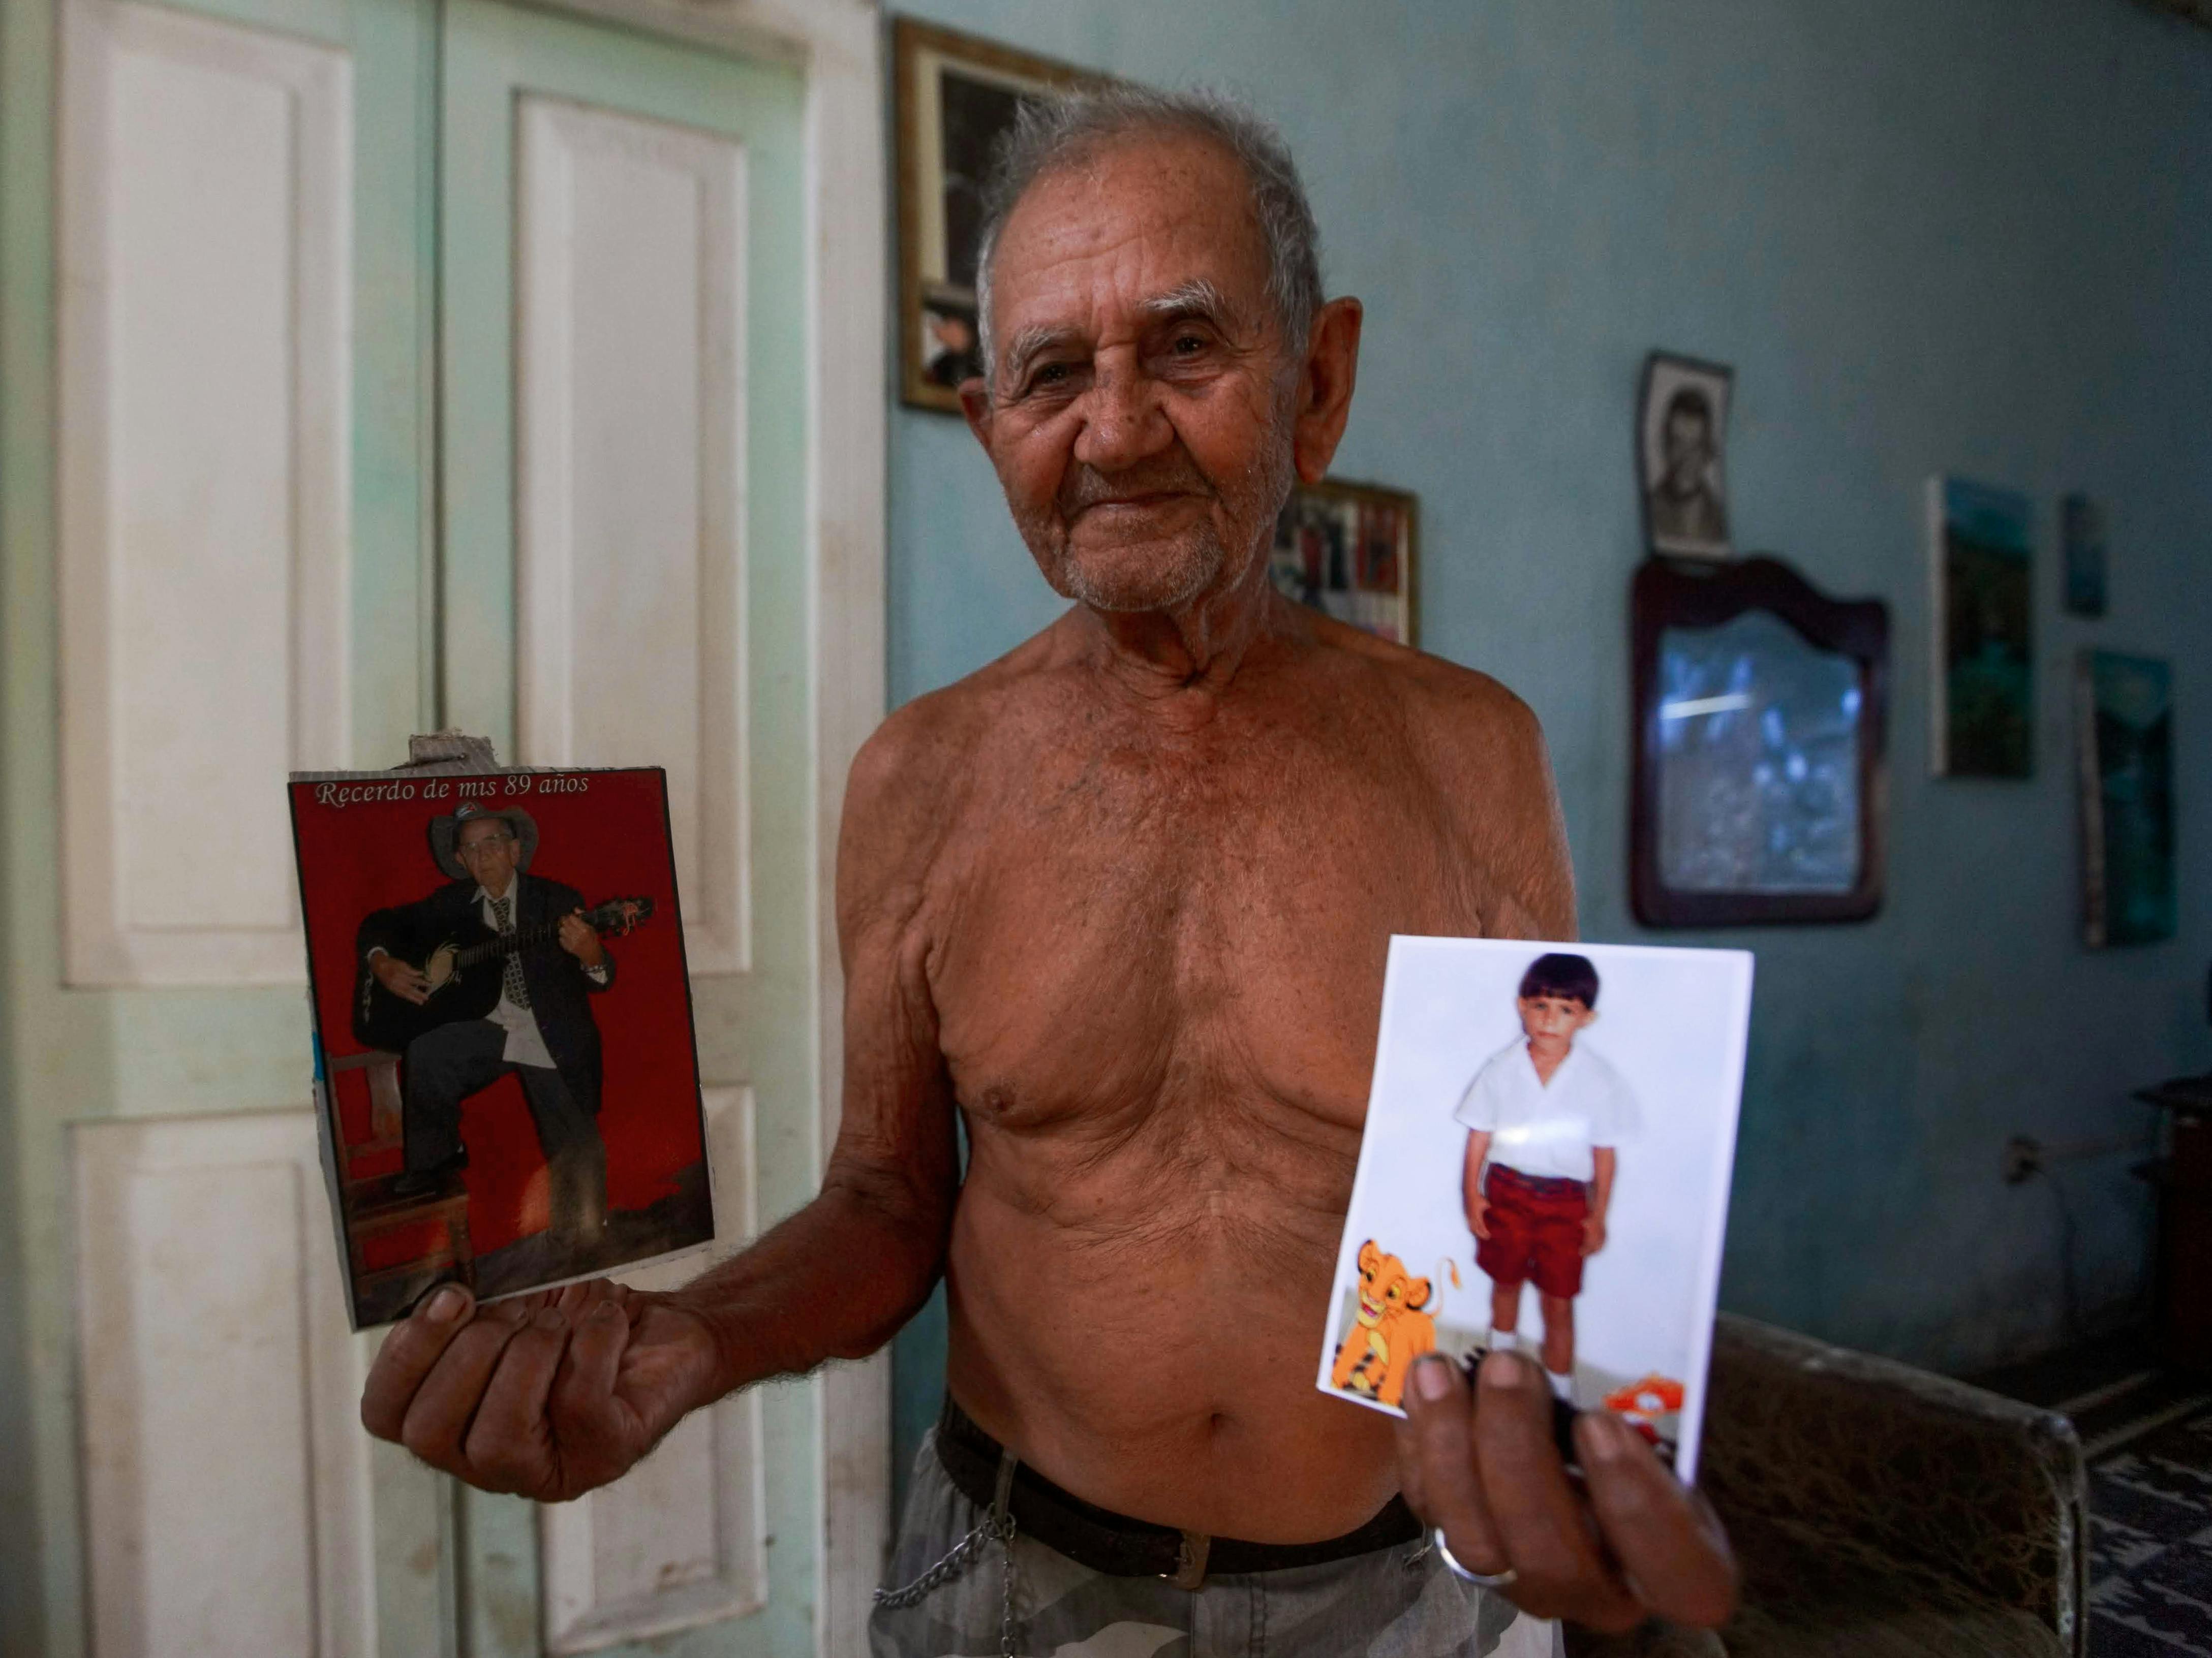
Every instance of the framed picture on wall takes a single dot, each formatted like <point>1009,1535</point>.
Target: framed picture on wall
<point>1982,597</point>
<point>1351,549</point>
<point>2081,532</point>
<point>2124,723</point>
<point>1681,441</point>
<point>1762,709</point>
<point>954,94</point>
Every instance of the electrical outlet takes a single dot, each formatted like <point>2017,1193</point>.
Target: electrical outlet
<point>2023,1159</point>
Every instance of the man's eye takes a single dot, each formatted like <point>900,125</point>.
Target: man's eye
<point>1188,345</point>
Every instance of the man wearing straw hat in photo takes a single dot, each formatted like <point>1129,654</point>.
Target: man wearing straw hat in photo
<point>542,1028</point>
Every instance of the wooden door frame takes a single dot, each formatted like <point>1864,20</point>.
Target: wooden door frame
<point>836,45</point>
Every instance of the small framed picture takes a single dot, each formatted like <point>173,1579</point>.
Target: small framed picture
<point>1353,551</point>
<point>1982,590</point>
<point>2124,723</point>
<point>2081,528</point>
<point>1681,443</point>
<point>955,96</point>
<point>1761,719</point>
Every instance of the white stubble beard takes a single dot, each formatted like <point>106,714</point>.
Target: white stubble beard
<point>1261,488</point>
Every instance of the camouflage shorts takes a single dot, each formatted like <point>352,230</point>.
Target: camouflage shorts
<point>1031,1601</point>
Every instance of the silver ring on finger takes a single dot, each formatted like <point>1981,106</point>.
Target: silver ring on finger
<point>1481,1580</point>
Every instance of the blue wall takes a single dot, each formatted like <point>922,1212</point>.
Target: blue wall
<point>1971,235</point>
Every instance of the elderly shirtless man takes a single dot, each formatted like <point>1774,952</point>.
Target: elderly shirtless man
<point>1121,901</point>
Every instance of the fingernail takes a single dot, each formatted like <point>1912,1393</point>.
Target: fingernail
<point>552,1318</point>
<point>1609,1437</point>
<point>607,1313</point>
<point>445,1306</point>
<point>1504,1370</point>
<point>1432,1377</point>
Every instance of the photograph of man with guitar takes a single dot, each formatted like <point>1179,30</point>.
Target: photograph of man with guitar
<point>493,973</point>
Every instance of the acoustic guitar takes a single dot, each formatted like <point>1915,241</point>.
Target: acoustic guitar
<point>465,973</point>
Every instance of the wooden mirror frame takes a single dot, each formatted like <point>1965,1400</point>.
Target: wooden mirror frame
<point>1668,593</point>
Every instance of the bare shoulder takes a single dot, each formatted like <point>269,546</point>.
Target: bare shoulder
<point>1476,727</point>
<point>1483,749</point>
<point>1466,721</point>
<point>909,790</point>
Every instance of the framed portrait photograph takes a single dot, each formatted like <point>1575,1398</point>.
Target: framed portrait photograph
<point>1981,591</point>
<point>1681,443</point>
<point>1544,1166</point>
<point>1353,551</point>
<point>954,95</point>
<point>1761,710</point>
<point>508,1085</point>
<point>2123,725</point>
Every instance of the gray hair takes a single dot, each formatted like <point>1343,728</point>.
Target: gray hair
<point>1059,130</point>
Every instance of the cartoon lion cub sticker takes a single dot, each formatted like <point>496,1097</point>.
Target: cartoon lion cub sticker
<point>1392,1327</point>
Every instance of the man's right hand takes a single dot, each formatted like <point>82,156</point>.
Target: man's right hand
<point>1622,1543</point>
<point>402,980</point>
<point>1478,1216</point>
<point>548,1396</point>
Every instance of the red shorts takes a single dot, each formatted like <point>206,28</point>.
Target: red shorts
<point>1536,1231</point>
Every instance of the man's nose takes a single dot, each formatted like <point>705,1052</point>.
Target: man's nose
<point>1123,422</point>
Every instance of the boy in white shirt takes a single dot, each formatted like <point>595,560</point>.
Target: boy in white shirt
<point>1547,1117</point>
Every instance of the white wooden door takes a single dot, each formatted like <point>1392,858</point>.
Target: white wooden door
<point>243,559</point>
<point>623,365</point>
<point>242,522</point>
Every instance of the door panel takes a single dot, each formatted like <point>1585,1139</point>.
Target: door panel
<point>629,456</point>
<point>623,336</point>
<point>682,1541</point>
<point>228,1503</point>
<point>205,438</point>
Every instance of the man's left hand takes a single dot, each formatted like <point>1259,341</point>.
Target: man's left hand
<point>1627,1544</point>
<point>578,938</point>
<point>1593,1234</point>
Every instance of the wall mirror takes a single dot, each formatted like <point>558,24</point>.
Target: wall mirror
<point>1761,721</point>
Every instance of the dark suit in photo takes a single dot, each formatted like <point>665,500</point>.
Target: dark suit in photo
<point>447,1063</point>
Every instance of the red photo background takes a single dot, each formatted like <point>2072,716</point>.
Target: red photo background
<point>608,838</point>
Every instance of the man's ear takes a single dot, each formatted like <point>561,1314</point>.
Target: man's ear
<point>1324,390</point>
<point>975,403</point>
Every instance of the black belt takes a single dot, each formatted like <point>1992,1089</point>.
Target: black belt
<point>1545,1185</point>
<point>1122,1547</point>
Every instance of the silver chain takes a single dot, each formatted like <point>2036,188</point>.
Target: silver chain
<point>993,1527</point>
<point>997,1524</point>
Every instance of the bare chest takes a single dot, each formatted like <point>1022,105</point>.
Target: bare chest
<point>1193,936</point>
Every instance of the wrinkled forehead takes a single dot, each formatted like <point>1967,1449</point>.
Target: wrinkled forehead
<point>1093,244</point>
<point>492,828</point>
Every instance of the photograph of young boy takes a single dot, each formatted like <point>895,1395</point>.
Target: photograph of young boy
<point>1545,1116</point>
